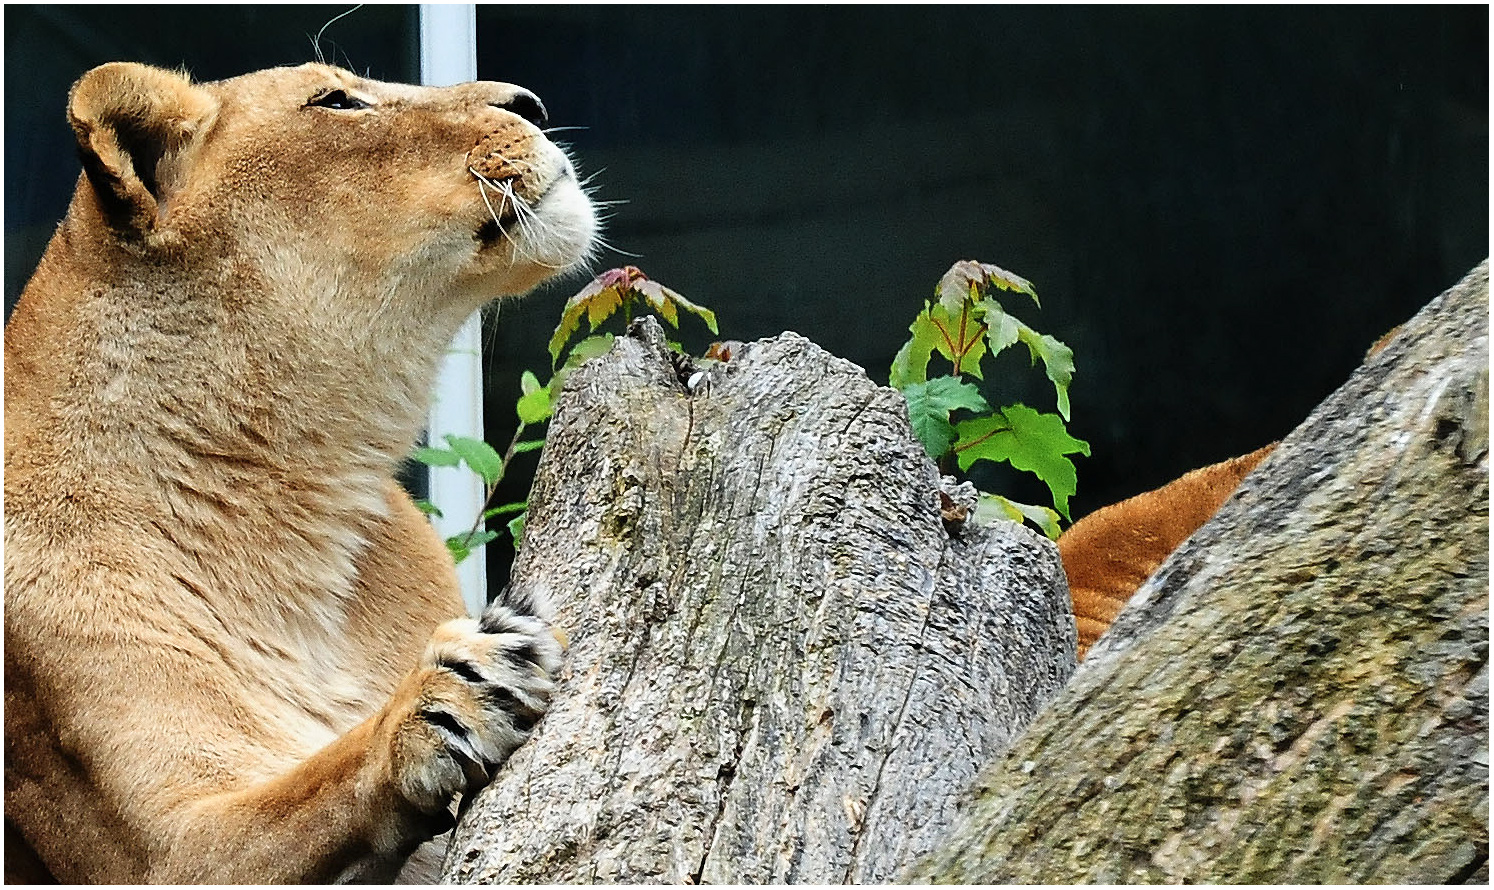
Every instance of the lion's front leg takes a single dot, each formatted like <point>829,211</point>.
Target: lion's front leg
<point>357,808</point>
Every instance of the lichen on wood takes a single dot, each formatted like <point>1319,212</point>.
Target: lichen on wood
<point>1300,694</point>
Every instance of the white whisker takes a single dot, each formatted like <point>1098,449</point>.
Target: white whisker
<point>316,42</point>
<point>482,184</point>
<point>605,245</point>
<point>528,223</point>
<point>537,228</point>
<point>532,229</point>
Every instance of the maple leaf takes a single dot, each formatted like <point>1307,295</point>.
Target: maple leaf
<point>961,338</point>
<point>505,509</point>
<point>611,291</point>
<point>1058,362</point>
<point>600,298</point>
<point>607,301</point>
<point>461,546</point>
<point>911,364</point>
<point>588,349</point>
<point>929,407</point>
<point>1002,329</point>
<point>667,303</point>
<point>995,505</point>
<point>969,279</point>
<point>436,457</point>
<point>1028,440</point>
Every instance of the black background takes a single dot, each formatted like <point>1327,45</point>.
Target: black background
<point>1221,207</point>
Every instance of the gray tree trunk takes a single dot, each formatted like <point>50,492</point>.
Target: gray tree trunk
<point>783,666</point>
<point>1300,694</point>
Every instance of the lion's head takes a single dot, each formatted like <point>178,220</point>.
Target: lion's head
<point>329,187</point>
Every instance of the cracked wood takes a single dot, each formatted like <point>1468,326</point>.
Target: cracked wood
<point>783,668</point>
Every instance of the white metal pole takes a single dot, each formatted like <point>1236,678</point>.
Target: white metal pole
<point>448,55</point>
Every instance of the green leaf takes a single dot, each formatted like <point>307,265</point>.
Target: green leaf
<point>1001,329</point>
<point>1058,361</point>
<point>584,351</point>
<point>501,509</point>
<point>600,298</point>
<point>479,456</point>
<point>428,508</point>
<point>456,545</point>
<point>479,538</point>
<point>534,405</point>
<point>698,311</point>
<point>570,320</point>
<point>994,505</point>
<point>908,368</point>
<point>929,406</point>
<point>955,394</point>
<point>953,332</point>
<point>588,349</point>
<point>931,427</point>
<point>911,365</point>
<point>516,529</point>
<point>461,546</point>
<point>1028,440</point>
<point>436,457</point>
<point>959,337</point>
<point>527,445</point>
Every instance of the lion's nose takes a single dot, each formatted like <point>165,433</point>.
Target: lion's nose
<point>525,104</point>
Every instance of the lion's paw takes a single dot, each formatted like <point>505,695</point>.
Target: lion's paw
<point>480,690</point>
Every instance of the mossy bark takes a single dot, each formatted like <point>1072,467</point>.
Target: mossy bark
<point>1300,694</point>
<point>784,666</point>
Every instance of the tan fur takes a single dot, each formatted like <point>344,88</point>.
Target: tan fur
<point>226,628</point>
<point>1108,554</point>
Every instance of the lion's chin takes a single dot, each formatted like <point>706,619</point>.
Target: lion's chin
<point>559,234</point>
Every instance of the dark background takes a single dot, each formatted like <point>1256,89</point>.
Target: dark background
<point>1221,207</point>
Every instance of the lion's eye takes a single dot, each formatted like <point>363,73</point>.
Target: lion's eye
<point>337,100</point>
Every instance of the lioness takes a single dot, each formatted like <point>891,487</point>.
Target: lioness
<point>1110,553</point>
<point>233,647</point>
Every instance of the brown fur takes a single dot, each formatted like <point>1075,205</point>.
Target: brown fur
<point>1108,554</point>
<point>228,634</point>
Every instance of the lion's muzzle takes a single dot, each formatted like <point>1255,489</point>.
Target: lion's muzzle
<point>509,155</point>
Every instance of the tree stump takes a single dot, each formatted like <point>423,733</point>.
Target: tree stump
<point>784,667</point>
<point>1300,694</point>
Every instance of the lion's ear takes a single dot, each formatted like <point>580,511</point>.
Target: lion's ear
<point>136,128</point>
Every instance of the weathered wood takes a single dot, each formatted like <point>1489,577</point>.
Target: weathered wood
<point>783,667</point>
<point>1300,694</point>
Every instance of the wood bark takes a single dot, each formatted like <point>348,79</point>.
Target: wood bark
<point>1300,694</point>
<point>784,667</point>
